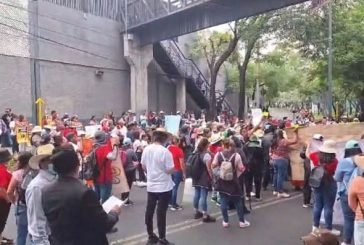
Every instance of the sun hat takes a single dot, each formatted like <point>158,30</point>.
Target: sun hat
<point>318,137</point>
<point>215,138</point>
<point>329,146</point>
<point>351,144</point>
<point>36,129</point>
<point>5,155</point>
<point>254,141</point>
<point>34,161</point>
<point>259,133</point>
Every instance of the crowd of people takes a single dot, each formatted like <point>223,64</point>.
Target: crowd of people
<point>64,173</point>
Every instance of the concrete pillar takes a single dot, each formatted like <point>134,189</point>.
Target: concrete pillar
<point>138,57</point>
<point>181,95</point>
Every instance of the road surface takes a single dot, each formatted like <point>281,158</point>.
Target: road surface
<point>273,221</point>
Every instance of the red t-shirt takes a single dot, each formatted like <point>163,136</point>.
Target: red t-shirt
<point>177,154</point>
<point>330,168</point>
<point>104,164</point>
<point>214,149</point>
<point>5,177</point>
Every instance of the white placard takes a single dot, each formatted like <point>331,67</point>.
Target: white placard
<point>111,203</point>
<point>257,115</point>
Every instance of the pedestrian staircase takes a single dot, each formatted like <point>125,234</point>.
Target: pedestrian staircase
<point>172,60</point>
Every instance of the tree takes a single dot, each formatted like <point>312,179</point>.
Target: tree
<point>216,48</point>
<point>251,30</point>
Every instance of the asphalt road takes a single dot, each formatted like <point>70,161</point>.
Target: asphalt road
<point>273,221</point>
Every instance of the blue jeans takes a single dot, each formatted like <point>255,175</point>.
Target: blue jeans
<point>177,178</point>
<point>324,200</point>
<point>349,218</point>
<point>238,203</point>
<point>21,224</point>
<point>359,232</point>
<point>200,198</point>
<point>280,167</point>
<point>103,191</point>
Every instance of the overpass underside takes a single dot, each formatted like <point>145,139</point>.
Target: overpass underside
<point>156,20</point>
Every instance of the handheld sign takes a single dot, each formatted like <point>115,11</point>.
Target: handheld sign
<point>172,124</point>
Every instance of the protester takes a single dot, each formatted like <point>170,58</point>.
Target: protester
<point>179,173</point>
<point>255,164</point>
<point>230,190</point>
<point>306,190</point>
<point>280,158</point>
<point>73,211</point>
<point>5,202</point>
<point>38,228</point>
<point>45,147</point>
<point>158,163</point>
<point>105,152</point>
<point>130,161</point>
<point>325,193</point>
<point>266,144</point>
<point>343,175</point>
<point>21,132</point>
<point>356,200</point>
<point>17,196</point>
<point>203,183</point>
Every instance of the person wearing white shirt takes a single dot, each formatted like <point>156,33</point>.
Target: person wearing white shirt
<point>158,163</point>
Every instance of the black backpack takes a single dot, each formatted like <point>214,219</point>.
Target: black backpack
<point>90,169</point>
<point>197,166</point>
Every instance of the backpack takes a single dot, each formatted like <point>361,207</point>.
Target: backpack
<point>27,178</point>
<point>316,176</point>
<point>227,168</point>
<point>90,169</point>
<point>197,165</point>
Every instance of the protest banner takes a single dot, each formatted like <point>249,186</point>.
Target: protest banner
<point>257,115</point>
<point>91,130</point>
<point>341,133</point>
<point>22,135</point>
<point>172,124</point>
<point>119,183</point>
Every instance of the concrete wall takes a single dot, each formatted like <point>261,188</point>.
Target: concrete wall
<point>162,90</point>
<point>15,85</point>
<point>85,43</point>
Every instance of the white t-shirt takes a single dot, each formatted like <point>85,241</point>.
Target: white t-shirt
<point>157,160</point>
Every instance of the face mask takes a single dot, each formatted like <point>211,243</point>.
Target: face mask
<point>51,169</point>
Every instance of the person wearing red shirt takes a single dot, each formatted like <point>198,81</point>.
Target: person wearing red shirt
<point>106,152</point>
<point>179,173</point>
<point>5,202</point>
<point>325,194</point>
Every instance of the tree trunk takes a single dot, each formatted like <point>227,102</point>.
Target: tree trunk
<point>242,77</point>
<point>212,110</point>
<point>242,91</point>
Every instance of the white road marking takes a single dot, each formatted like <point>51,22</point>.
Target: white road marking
<point>188,224</point>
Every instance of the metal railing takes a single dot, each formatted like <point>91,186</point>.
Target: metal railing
<point>140,12</point>
<point>189,69</point>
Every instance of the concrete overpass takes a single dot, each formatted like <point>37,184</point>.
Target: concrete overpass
<point>156,20</point>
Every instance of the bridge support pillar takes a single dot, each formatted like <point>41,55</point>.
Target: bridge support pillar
<point>138,57</point>
<point>181,95</point>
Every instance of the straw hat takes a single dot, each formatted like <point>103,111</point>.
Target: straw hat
<point>329,146</point>
<point>215,138</point>
<point>36,129</point>
<point>34,161</point>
